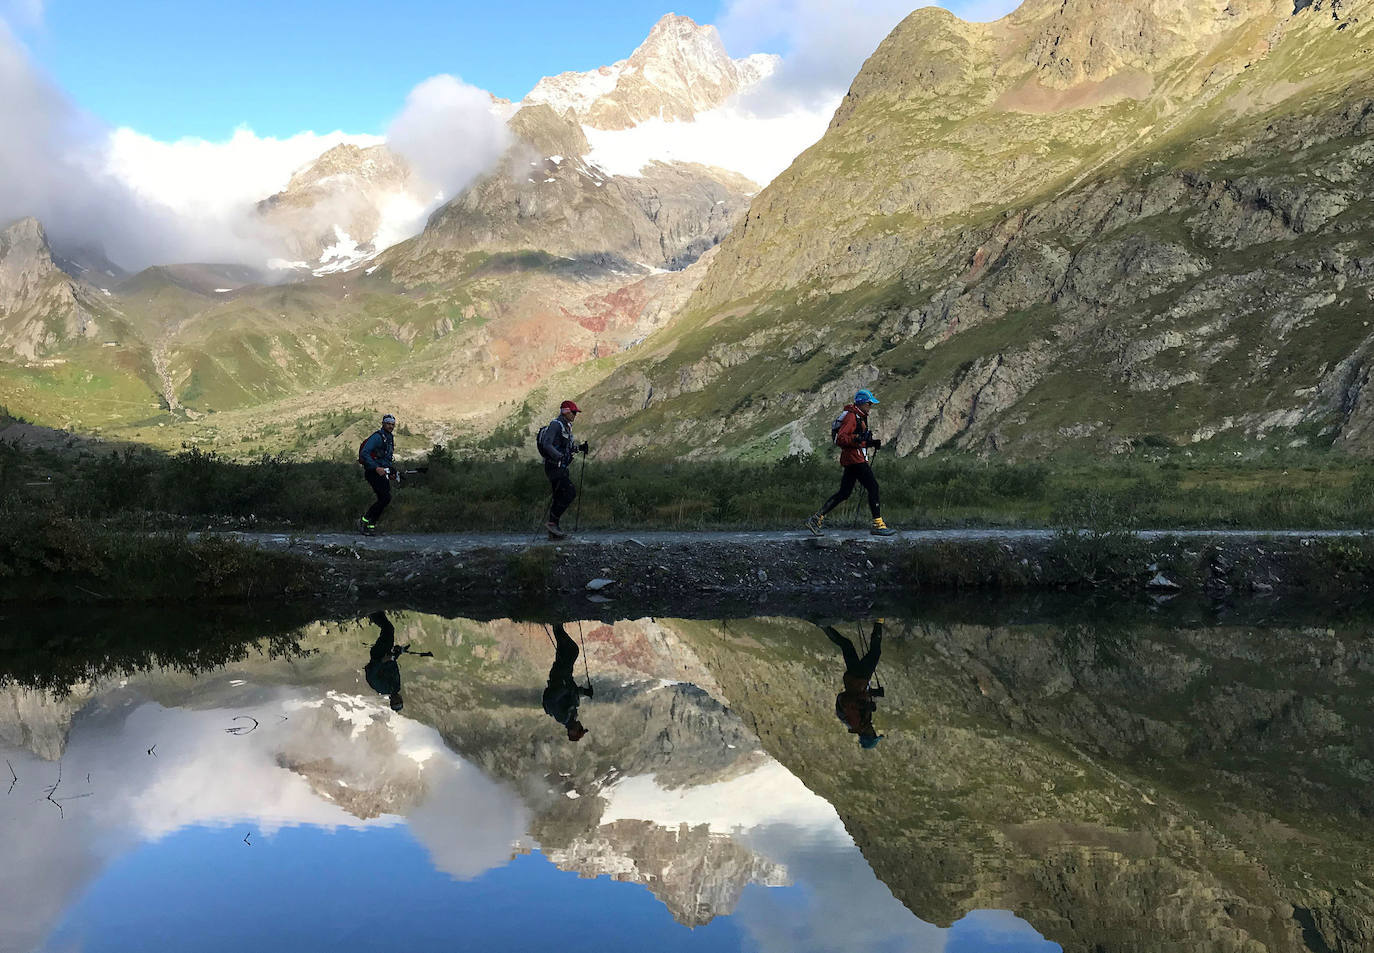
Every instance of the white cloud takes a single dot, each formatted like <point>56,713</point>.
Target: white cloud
<point>152,202</point>
<point>770,794</point>
<point>448,132</point>
<point>27,12</point>
<point>214,180</point>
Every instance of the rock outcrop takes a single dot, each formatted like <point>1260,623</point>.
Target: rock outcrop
<point>41,308</point>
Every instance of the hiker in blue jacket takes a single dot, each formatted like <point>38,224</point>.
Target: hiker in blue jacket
<point>557,447</point>
<point>376,456</point>
<point>382,673</point>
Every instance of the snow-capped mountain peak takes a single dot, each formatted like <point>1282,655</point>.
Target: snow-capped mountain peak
<point>681,69</point>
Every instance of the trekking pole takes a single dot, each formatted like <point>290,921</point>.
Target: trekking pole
<point>581,478</point>
<point>864,644</point>
<point>585,672</point>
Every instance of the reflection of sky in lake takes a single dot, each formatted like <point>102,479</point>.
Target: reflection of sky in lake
<point>155,857</point>
<point>307,888</point>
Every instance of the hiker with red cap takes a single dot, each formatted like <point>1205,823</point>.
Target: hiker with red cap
<point>556,446</point>
<point>850,432</point>
<point>562,694</point>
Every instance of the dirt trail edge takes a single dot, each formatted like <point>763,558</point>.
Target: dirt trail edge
<point>662,572</point>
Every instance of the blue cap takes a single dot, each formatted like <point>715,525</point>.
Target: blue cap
<point>870,741</point>
<point>865,396</point>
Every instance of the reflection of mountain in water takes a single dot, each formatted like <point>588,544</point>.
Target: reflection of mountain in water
<point>644,723</point>
<point>352,752</point>
<point>1124,789</point>
<point>655,728</point>
<point>36,721</point>
<point>1138,789</point>
<point>697,873</point>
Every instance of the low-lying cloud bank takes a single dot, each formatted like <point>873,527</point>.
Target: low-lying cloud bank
<point>150,202</point>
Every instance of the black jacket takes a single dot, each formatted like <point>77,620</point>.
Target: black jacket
<point>556,443</point>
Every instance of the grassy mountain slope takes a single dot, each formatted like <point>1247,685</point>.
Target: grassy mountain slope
<point>1087,224</point>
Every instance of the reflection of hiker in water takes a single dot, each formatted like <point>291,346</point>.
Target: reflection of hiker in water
<point>563,694</point>
<point>382,672</point>
<point>855,705</point>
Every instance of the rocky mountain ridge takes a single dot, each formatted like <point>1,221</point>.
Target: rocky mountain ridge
<point>1084,224</point>
<point>545,265</point>
<point>352,202</point>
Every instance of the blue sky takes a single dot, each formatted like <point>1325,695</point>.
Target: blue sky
<point>202,68</point>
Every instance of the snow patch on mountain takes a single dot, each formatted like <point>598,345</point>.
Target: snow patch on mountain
<point>729,137</point>
<point>770,794</point>
<point>576,92</point>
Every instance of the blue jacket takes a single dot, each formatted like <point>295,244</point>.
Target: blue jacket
<point>377,450</point>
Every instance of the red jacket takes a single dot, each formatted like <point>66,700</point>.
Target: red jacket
<point>855,423</point>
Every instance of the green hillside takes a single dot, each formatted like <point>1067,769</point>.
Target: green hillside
<point>1141,236</point>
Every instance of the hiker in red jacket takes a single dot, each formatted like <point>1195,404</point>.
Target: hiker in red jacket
<point>855,705</point>
<point>856,442</point>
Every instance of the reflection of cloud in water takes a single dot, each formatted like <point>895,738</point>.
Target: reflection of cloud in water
<point>846,908</point>
<point>285,773</point>
<point>770,812</point>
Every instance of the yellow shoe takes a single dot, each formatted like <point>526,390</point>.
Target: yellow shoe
<point>813,523</point>
<point>880,528</point>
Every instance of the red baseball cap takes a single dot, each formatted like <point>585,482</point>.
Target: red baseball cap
<point>569,405</point>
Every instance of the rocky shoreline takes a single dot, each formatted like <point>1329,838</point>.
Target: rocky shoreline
<point>793,575</point>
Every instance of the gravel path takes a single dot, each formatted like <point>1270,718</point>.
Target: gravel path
<point>464,542</point>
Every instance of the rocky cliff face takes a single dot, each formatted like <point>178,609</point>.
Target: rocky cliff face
<point>41,307</point>
<point>39,721</point>
<point>1084,224</point>
<point>680,70</point>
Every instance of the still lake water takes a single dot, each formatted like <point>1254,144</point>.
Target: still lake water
<point>1037,786</point>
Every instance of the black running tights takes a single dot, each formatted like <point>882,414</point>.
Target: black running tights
<point>856,473</point>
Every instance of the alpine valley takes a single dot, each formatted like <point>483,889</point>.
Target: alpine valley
<point>1088,224</point>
